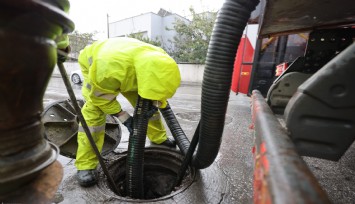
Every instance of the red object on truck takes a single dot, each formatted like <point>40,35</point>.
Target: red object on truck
<point>281,68</point>
<point>242,66</point>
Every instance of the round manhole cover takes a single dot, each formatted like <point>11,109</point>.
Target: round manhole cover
<point>61,128</point>
<point>195,117</point>
<point>190,116</point>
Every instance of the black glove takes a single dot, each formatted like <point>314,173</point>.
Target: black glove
<point>62,54</point>
<point>129,124</point>
<point>61,58</point>
<point>151,112</point>
<point>126,120</point>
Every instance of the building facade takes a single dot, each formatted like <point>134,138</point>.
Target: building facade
<point>155,26</point>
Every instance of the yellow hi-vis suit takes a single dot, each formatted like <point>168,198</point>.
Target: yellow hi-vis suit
<point>62,40</point>
<point>130,67</point>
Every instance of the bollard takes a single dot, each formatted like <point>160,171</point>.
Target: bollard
<point>27,58</point>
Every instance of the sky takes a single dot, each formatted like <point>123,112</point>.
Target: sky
<point>91,15</point>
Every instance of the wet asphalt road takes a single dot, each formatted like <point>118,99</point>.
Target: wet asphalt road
<point>229,178</point>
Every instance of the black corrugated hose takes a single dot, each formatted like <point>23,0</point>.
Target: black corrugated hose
<point>227,32</point>
<point>135,155</point>
<point>175,129</point>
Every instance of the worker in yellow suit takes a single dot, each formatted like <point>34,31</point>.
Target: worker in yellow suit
<point>62,41</point>
<point>130,67</point>
<point>85,61</point>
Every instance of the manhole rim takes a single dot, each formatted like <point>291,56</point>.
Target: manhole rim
<point>108,192</point>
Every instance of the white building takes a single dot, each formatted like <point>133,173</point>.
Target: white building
<point>158,26</point>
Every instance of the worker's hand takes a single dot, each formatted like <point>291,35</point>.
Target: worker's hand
<point>126,120</point>
<point>151,112</point>
<point>129,124</point>
<point>62,54</point>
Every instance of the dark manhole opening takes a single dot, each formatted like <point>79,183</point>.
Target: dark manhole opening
<point>161,166</point>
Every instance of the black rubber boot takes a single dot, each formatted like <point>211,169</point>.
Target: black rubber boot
<point>86,178</point>
<point>169,143</point>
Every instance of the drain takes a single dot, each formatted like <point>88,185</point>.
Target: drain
<point>190,116</point>
<point>160,171</point>
<point>195,117</point>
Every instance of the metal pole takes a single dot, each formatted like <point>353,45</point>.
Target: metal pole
<point>83,123</point>
<point>108,25</point>
<point>282,175</point>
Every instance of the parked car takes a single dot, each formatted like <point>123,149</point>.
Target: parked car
<point>76,77</point>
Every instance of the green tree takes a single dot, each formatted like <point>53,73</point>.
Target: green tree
<point>192,39</point>
<point>78,41</point>
<point>139,36</point>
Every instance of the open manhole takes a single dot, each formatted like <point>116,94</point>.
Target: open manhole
<point>161,167</point>
<point>61,128</point>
